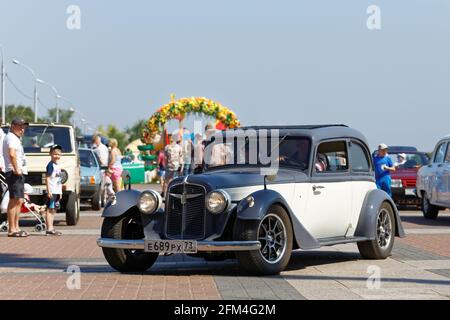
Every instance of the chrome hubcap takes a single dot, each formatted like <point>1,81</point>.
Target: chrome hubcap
<point>272,235</point>
<point>384,228</point>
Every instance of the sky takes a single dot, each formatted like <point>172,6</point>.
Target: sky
<point>272,62</point>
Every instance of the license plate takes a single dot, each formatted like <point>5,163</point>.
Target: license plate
<point>37,191</point>
<point>410,192</point>
<point>170,246</point>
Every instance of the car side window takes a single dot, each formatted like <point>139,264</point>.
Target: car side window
<point>440,153</point>
<point>360,158</point>
<point>331,157</point>
<point>447,156</point>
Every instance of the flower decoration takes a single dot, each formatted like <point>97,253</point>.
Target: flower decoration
<point>178,110</point>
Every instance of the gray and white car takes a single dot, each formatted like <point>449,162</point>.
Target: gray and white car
<point>433,181</point>
<point>323,193</point>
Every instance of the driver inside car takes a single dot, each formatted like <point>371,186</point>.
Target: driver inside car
<point>300,157</point>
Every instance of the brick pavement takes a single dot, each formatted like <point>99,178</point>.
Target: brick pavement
<point>35,268</point>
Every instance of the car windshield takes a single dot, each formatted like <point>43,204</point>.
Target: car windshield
<point>39,139</point>
<point>258,151</point>
<point>409,160</point>
<point>88,159</point>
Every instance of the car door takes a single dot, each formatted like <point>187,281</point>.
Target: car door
<point>438,185</point>
<point>329,194</point>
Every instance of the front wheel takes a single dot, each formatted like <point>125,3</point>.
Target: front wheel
<point>429,211</point>
<point>381,246</point>
<point>274,231</point>
<point>128,227</point>
<point>72,209</point>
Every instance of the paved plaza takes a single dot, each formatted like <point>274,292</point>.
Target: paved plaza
<point>37,268</point>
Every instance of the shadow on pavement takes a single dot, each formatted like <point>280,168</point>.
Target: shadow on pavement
<point>443,220</point>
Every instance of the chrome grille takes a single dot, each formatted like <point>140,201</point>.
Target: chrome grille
<point>185,212</point>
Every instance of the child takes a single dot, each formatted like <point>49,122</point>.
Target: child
<point>54,188</point>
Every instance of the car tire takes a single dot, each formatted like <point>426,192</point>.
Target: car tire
<point>96,200</point>
<point>273,256</point>
<point>429,210</point>
<point>128,226</point>
<point>380,248</point>
<point>72,208</point>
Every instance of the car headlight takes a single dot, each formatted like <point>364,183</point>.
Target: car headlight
<point>396,183</point>
<point>149,202</point>
<point>217,201</point>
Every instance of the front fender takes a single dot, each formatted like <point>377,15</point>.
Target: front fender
<point>125,200</point>
<point>263,200</point>
<point>369,213</point>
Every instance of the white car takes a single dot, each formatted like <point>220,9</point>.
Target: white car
<point>433,181</point>
<point>323,193</point>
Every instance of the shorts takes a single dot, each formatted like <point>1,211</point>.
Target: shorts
<point>53,202</point>
<point>384,183</point>
<point>116,173</point>
<point>15,185</point>
<point>170,174</point>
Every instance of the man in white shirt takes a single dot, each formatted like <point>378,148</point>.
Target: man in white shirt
<point>101,150</point>
<point>15,169</point>
<point>2,159</point>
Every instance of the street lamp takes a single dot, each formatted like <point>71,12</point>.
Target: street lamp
<point>35,86</point>
<point>57,96</point>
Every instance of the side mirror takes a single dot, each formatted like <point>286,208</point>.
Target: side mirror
<point>126,178</point>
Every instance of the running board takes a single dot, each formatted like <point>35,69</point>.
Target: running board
<point>340,240</point>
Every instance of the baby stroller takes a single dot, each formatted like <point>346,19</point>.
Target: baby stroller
<point>28,208</point>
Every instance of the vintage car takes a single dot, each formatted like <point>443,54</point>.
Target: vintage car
<point>433,181</point>
<point>317,190</point>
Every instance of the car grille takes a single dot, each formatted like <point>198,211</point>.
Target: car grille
<point>35,178</point>
<point>185,220</point>
<point>409,183</point>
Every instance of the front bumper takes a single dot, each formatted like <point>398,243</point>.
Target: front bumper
<point>405,196</point>
<point>201,245</point>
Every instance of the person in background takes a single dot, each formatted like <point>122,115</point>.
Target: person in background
<point>15,169</point>
<point>161,162</point>
<point>115,165</point>
<point>2,159</point>
<point>54,189</point>
<point>401,160</point>
<point>174,161</point>
<point>383,168</point>
<point>100,150</point>
<point>198,153</point>
<point>188,150</point>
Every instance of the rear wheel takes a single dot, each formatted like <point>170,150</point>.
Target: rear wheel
<point>381,247</point>
<point>429,210</point>
<point>128,227</point>
<point>274,231</point>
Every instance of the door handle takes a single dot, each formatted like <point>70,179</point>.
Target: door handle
<point>315,188</point>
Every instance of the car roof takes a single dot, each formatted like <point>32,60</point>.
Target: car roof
<point>316,132</point>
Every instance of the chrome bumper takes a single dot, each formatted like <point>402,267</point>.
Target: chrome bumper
<point>201,245</point>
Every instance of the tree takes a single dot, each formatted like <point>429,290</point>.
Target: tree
<point>113,132</point>
<point>134,132</point>
<point>65,116</point>
<point>13,111</point>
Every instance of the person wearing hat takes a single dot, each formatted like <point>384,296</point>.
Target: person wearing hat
<point>383,168</point>
<point>401,160</point>
<point>54,188</point>
<point>15,169</point>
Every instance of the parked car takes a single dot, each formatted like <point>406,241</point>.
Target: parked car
<point>91,178</point>
<point>85,141</point>
<point>37,140</point>
<point>239,209</point>
<point>433,181</point>
<point>405,176</point>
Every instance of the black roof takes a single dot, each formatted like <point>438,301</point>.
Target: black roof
<point>303,127</point>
